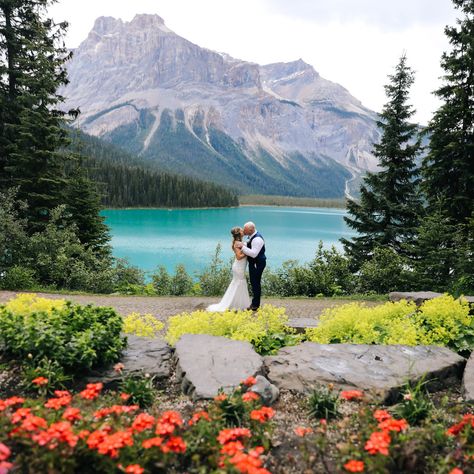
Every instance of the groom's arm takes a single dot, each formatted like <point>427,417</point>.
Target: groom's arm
<point>257,244</point>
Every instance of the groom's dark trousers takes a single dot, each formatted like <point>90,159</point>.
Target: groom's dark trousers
<point>255,272</point>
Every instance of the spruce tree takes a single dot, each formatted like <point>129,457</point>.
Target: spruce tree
<point>32,58</point>
<point>389,207</point>
<point>448,169</point>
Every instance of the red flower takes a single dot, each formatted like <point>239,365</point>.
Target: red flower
<point>302,431</point>
<point>63,399</point>
<point>198,416</point>
<point>149,443</point>
<point>231,434</point>
<point>134,469</point>
<point>352,395</point>
<point>249,381</point>
<point>60,432</point>
<point>72,414</point>
<point>125,396</point>
<point>110,444</point>
<point>249,463</point>
<point>232,447</point>
<point>91,391</point>
<point>262,415</point>
<point>171,417</point>
<point>175,444</point>
<point>19,414</point>
<point>378,442</point>
<point>354,466</point>
<point>33,423</point>
<point>143,422</point>
<point>393,425</point>
<point>40,381</point>
<point>5,467</point>
<point>4,452</point>
<point>164,429</point>
<point>10,402</point>
<point>455,429</point>
<point>250,396</point>
<point>382,415</point>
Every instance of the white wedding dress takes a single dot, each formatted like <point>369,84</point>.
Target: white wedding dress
<point>237,293</point>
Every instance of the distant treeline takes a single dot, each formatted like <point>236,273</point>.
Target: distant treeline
<point>127,181</point>
<point>266,200</point>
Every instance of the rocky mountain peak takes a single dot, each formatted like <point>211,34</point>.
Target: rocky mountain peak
<point>106,24</point>
<point>145,20</point>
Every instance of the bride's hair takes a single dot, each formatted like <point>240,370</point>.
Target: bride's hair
<point>236,234</point>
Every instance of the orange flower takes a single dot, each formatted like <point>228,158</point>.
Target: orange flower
<point>198,416</point>
<point>60,432</point>
<point>231,434</point>
<point>83,434</point>
<point>33,423</point>
<point>134,469</point>
<point>40,381</point>
<point>143,422</point>
<point>220,398</point>
<point>4,452</point>
<point>393,425</point>
<point>456,429</point>
<point>164,429</point>
<point>262,415</point>
<point>354,466</point>
<point>110,444</point>
<point>72,414</point>
<point>125,396</point>
<point>175,444</point>
<point>119,367</point>
<point>378,442</point>
<point>232,447</point>
<point>19,414</point>
<point>149,443</point>
<point>10,402</point>
<point>5,467</point>
<point>302,431</point>
<point>172,417</point>
<point>352,395</point>
<point>249,463</point>
<point>456,470</point>
<point>63,398</point>
<point>91,391</point>
<point>249,381</point>
<point>250,396</point>
<point>382,415</point>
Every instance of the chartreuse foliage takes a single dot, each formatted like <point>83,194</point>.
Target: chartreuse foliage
<point>267,329</point>
<point>76,337</point>
<point>441,321</point>
<point>143,325</point>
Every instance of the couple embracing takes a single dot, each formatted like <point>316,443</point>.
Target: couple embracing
<point>253,252</point>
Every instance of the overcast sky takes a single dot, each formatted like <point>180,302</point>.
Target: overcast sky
<point>356,43</point>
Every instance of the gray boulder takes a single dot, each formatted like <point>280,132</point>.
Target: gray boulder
<point>420,296</point>
<point>468,380</point>
<point>380,370</point>
<point>204,364</point>
<point>142,356</point>
<point>301,324</point>
<point>268,392</point>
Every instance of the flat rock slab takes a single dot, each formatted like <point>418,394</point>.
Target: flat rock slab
<point>420,296</point>
<point>207,363</point>
<point>301,324</point>
<point>143,355</point>
<point>468,380</point>
<point>380,370</point>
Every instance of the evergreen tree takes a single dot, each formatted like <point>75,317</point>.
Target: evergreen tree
<point>448,169</point>
<point>32,57</point>
<point>389,207</point>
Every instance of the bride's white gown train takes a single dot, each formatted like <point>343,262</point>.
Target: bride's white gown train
<point>237,293</point>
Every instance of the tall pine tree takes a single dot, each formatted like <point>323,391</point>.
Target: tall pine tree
<point>448,169</point>
<point>389,207</point>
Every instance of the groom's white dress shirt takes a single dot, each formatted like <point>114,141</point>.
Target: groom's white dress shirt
<point>257,245</point>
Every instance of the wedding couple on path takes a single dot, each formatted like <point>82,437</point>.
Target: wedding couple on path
<point>253,252</point>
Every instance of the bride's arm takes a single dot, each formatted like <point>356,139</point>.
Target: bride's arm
<point>239,255</point>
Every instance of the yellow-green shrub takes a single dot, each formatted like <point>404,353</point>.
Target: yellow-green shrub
<point>238,325</point>
<point>143,325</point>
<point>29,303</point>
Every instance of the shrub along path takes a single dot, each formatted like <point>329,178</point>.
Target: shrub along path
<point>165,306</point>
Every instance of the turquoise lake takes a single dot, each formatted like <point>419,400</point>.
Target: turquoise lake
<point>152,237</point>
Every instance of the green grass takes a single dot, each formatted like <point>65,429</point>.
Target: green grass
<point>266,200</point>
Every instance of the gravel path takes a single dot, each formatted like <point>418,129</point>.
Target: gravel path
<point>165,306</point>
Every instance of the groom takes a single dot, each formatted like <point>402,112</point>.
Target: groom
<point>255,251</point>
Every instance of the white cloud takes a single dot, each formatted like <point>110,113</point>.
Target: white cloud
<point>354,43</point>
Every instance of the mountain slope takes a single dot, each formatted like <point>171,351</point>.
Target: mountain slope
<point>275,129</point>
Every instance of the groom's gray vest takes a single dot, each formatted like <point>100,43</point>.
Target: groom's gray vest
<point>260,258</point>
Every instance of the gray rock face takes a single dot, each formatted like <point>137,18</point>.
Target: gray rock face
<point>132,75</point>
<point>301,324</point>
<point>468,380</point>
<point>380,370</point>
<point>420,296</point>
<point>268,392</point>
<point>204,364</point>
<point>142,356</point>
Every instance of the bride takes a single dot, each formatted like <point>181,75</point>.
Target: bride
<point>237,293</point>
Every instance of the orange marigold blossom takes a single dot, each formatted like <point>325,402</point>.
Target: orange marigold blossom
<point>172,417</point>
<point>382,415</point>
<point>262,415</point>
<point>143,422</point>
<point>83,434</point>
<point>393,425</point>
<point>302,431</point>
<point>351,394</point>
<point>250,396</point>
<point>198,416</point>
<point>59,432</point>
<point>232,447</point>
<point>19,414</point>
<point>175,444</point>
<point>152,442</point>
<point>91,391</point>
<point>249,463</point>
<point>134,469</point>
<point>457,428</point>
<point>456,470</point>
<point>114,409</point>
<point>57,403</point>
<point>220,398</point>
<point>249,381</point>
<point>4,404</point>
<point>72,414</point>
<point>164,429</point>
<point>231,434</point>
<point>354,466</point>
<point>33,423</point>
<point>110,444</point>
<point>40,381</point>
<point>125,396</point>
<point>378,442</point>
<point>4,452</point>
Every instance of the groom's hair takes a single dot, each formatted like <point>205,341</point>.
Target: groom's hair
<point>250,224</point>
